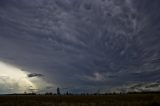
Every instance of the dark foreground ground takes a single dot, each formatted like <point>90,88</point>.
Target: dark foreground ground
<point>101,100</point>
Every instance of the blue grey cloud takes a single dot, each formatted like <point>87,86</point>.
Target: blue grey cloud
<point>75,43</point>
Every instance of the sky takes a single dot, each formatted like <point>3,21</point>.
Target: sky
<point>79,45</point>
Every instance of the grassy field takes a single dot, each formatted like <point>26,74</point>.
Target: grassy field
<point>101,100</point>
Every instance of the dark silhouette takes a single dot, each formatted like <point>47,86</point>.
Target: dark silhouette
<point>58,91</point>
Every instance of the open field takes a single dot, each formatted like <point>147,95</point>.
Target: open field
<point>101,100</point>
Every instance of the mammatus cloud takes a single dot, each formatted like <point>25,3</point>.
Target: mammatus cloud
<point>98,42</point>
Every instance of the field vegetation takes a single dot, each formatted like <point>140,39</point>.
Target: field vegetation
<point>81,100</point>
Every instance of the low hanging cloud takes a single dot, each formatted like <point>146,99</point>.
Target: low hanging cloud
<point>34,75</point>
<point>140,87</point>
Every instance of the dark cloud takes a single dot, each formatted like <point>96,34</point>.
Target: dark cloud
<point>75,43</point>
<point>141,87</point>
<point>155,61</point>
<point>34,75</point>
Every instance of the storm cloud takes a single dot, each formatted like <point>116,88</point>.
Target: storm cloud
<point>82,43</point>
<point>34,75</point>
